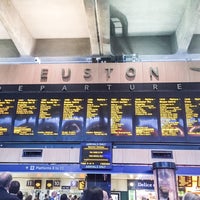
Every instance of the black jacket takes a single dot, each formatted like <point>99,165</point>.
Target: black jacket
<point>4,195</point>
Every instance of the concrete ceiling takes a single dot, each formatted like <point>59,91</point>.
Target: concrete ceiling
<point>64,30</point>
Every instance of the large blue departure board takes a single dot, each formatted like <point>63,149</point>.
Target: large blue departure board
<point>100,114</point>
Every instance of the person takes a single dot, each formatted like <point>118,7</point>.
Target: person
<point>53,195</point>
<point>14,187</point>
<point>20,195</point>
<point>5,180</point>
<point>75,197</point>
<point>29,197</point>
<point>191,196</point>
<point>63,197</point>
<point>105,195</point>
<point>70,197</point>
<point>93,193</point>
<point>46,197</point>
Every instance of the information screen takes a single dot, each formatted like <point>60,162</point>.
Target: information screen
<point>192,109</point>
<point>171,116</point>
<point>97,114</point>
<point>121,115</point>
<point>49,116</point>
<point>73,116</point>
<point>25,118</point>
<point>96,156</point>
<point>7,109</point>
<point>146,116</point>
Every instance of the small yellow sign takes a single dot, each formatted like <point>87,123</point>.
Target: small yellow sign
<point>81,185</point>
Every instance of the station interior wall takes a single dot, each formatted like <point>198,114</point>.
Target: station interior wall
<point>119,156</point>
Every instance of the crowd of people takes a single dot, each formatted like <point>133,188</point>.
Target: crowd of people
<point>10,190</point>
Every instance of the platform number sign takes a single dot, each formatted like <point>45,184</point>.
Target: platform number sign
<point>49,184</point>
<point>56,183</point>
<point>81,185</point>
<point>184,181</point>
<point>38,184</point>
<point>30,183</point>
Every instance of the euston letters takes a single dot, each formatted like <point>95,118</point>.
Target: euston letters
<point>130,74</point>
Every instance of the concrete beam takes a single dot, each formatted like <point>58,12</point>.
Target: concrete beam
<point>187,25</point>
<point>92,26</point>
<point>98,17</point>
<point>16,29</point>
<point>103,17</point>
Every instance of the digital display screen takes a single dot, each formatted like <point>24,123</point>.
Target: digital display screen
<point>171,116</point>
<point>121,120</point>
<point>97,115</point>
<point>25,118</point>
<point>96,156</point>
<point>192,109</point>
<point>7,109</point>
<point>125,116</point>
<point>73,116</point>
<point>49,116</point>
<point>146,116</point>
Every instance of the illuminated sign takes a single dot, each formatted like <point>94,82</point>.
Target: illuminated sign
<point>119,114</point>
<point>96,156</point>
<point>184,181</point>
<point>38,184</point>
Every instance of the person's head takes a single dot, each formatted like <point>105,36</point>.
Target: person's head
<point>54,194</point>
<point>105,195</point>
<point>14,187</point>
<point>5,179</point>
<point>191,196</point>
<point>20,195</point>
<point>29,197</point>
<point>93,193</point>
<point>63,197</point>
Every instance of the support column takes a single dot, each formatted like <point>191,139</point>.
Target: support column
<point>98,17</point>
<point>165,180</point>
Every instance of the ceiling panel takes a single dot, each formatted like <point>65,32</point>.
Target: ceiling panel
<point>153,17</point>
<point>53,19</point>
<point>82,28</point>
<point>3,32</point>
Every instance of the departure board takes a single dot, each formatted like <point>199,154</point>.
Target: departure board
<point>7,109</point>
<point>73,116</point>
<point>97,115</point>
<point>171,116</point>
<point>49,116</point>
<point>192,109</point>
<point>121,116</point>
<point>96,156</point>
<point>146,116</point>
<point>25,118</point>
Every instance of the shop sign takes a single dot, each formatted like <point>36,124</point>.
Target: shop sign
<point>141,185</point>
